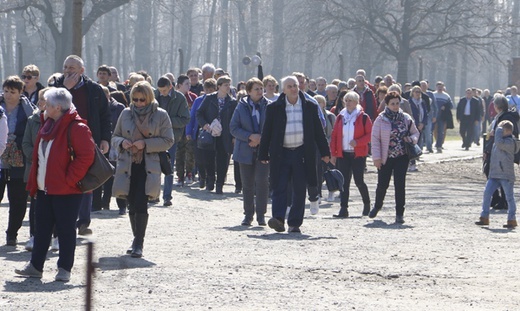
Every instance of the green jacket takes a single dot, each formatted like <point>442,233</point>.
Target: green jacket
<point>29,138</point>
<point>177,109</point>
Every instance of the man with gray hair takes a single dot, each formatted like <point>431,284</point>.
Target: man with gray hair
<point>208,71</point>
<point>331,93</point>
<point>321,84</point>
<point>92,105</point>
<point>291,132</point>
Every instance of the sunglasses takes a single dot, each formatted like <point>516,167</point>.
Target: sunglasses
<point>142,100</point>
<point>28,77</point>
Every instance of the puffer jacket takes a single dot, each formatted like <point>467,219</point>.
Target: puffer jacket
<point>160,139</point>
<point>502,165</point>
<point>381,135</point>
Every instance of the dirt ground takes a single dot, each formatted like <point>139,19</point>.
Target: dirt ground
<point>198,257</point>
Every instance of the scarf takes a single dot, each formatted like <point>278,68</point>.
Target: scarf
<point>50,127</point>
<point>141,117</point>
<point>393,116</point>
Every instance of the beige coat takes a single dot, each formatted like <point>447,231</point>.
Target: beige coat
<point>160,139</point>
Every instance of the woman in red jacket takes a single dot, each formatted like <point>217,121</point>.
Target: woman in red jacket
<point>349,149</point>
<point>54,178</point>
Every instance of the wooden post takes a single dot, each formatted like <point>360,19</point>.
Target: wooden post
<point>100,52</point>
<point>90,273</point>
<point>19,56</point>
<point>181,61</point>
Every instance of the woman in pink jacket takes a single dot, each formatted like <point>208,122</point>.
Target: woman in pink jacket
<point>349,149</point>
<point>391,130</point>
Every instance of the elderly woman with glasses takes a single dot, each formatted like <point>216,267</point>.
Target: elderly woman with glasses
<point>390,131</point>
<point>142,131</point>
<point>54,181</point>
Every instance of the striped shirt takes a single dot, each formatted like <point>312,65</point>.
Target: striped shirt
<point>294,127</point>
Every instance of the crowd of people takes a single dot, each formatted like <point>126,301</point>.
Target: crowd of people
<point>281,139</point>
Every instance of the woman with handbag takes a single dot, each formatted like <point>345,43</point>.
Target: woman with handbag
<point>392,129</point>
<point>18,109</point>
<point>54,181</point>
<point>142,131</point>
<point>246,126</point>
<point>214,116</point>
<point>349,149</point>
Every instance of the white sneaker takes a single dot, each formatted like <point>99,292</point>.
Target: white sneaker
<point>62,275</point>
<point>315,207</point>
<point>331,196</point>
<point>55,245</point>
<point>30,244</point>
<point>412,168</point>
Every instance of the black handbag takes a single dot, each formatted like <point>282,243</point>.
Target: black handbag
<point>333,178</point>
<point>205,140</point>
<point>412,150</point>
<point>98,173</point>
<point>166,164</point>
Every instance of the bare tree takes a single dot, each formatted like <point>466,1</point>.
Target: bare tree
<point>63,36</point>
<point>404,27</point>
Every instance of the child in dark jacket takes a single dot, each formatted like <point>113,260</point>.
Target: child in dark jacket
<point>501,173</point>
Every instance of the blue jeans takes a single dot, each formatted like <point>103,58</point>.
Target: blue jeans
<point>168,180</point>
<point>292,167</point>
<point>477,131</point>
<point>440,133</point>
<point>493,184</point>
<point>427,132</point>
<point>84,209</point>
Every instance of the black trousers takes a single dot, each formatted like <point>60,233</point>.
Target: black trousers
<point>137,198</point>
<point>396,167</point>
<point>348,165</point>
<point>466,131</point>
<point>216,161</point>
<point>17,196</point>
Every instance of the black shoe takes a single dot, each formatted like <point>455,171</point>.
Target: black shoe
<point>294,230</point>
<point>399,219</point>
<point>11,241</point>
<point>202,184</point>
<point>276,224</point>
<point>167,203</point>
<point>373,212</point>
<point>343,212</point>
<point>238,190</point>
<point>366,210</point>
<point>261,221</point>
<point>247,222</point>
<point>219,190</point>
<point>210,186</point>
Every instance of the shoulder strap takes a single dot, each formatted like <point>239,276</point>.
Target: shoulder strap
<point>71,150</point>
<point>364,119</point>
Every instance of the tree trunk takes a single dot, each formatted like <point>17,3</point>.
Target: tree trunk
<point>142,49</point>
<point>77,21</point>
<point>515,45</point>
<point>254,27</point>
<point>452,62</point>
<point>278,38</point>
<point>209,44</point>
<point>224,35</point>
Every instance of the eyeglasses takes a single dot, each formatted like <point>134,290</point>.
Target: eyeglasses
<point>142,100</point>
<point>28,77</point>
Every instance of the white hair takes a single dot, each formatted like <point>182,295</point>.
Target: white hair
<point>331,87</point>
<point>208,67</point>
<point>58,97</point>
<point>287,79</point>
